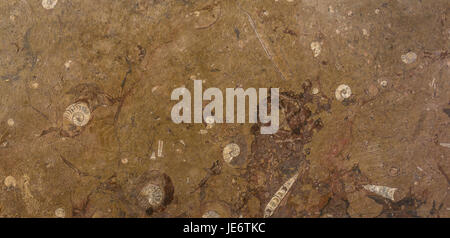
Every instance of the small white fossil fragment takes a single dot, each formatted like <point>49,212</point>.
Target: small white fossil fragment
<point>124,160</point>
<point>155,88</point>
<point>386,192</point>
<point>35,85</point>
<point>67,64</point>
<point>343,91</point>
<point>203,132</point>
<point>330,9</point>
<point>316,48</point>
<point>78,113</point>
<point>377,11</point>
<point>160,148</point>
<point>315,91</point>
<point>211,214</point>
<point>231,151</point>
<point>60,212</point>
<point>445,145</point>
<point>383,83</point>
<point>10,122</point>
<point>365,32</point>
<point>49,4</point>
<point>10,181</point>
<point>153,157</point>
<point>278,197</point>
<point>409,57</point>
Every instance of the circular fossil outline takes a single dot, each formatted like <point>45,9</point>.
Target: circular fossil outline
<point>78,114</point>
<point>153,191</point>
<point>152,195</point>
<point>343,91</point>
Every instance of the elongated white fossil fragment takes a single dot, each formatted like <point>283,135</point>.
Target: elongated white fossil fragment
<point>153,157</point>
<point>160,148</point>
<point>316,48</point>
<point>278,197</point>
<point>383,191</point>
<point>445,145</point>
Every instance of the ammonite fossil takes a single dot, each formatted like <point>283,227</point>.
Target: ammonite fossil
<point>153,191</point>
<point>343,91</point>
<point>78,114</point>
<point>235,153</point>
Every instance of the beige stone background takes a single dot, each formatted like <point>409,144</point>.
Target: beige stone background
<point>126,57</point>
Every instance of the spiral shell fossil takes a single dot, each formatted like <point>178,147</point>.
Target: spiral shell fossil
<point>78,114</point>
<point>150,195</point>
<point>343,91</point>
<point>153,192</point>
